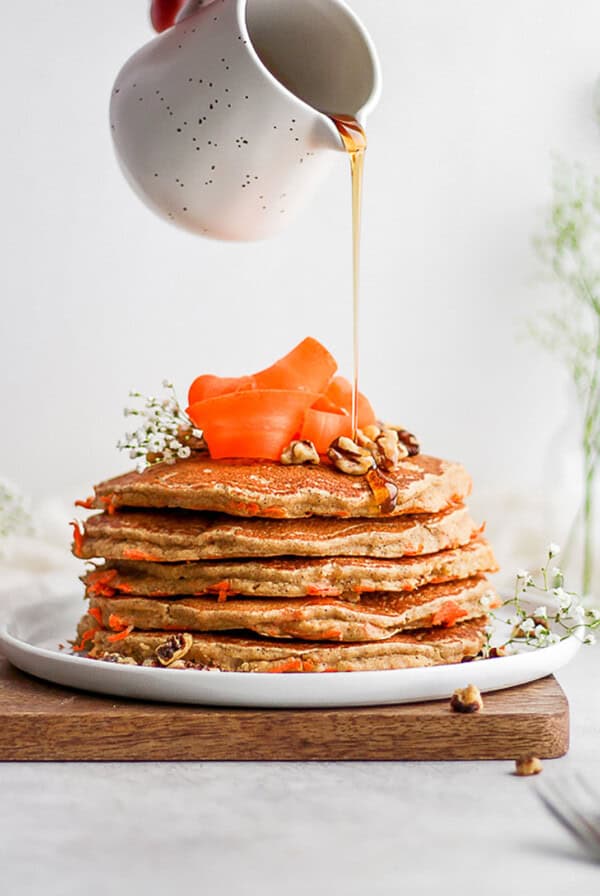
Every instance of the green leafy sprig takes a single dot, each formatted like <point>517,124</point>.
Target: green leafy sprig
<point>559,615</point>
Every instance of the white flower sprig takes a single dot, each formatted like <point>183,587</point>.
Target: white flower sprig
<point>15,514</point>
<point>558,609</point>
<point>165,433</point>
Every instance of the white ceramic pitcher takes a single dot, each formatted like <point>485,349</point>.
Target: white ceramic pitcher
<point>220,123</point>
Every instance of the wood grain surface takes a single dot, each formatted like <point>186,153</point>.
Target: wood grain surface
<point>40,721</point>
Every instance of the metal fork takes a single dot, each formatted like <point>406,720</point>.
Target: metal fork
<point>574,803</point>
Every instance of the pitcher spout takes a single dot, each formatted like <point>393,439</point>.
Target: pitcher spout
<point>318,51</point>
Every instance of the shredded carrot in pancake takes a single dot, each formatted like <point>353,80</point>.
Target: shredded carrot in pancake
<point>88,504</point>
<point>120,636</point>
<point>317,591</point>
<point>116,623</point>
<point>275,512</point>
<point>416,552</point>
<point>97,614</point>
<point>85,637</point>
<point>98,583</point>
<point>78,537</point>
<point>221,589</point>
<point>109,503</point>
<point>294,665</point>
<point>133,554</point>
<point>478,531</point>
<point>448,614</point>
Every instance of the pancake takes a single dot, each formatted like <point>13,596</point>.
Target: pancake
<point>179,536</point>
<point>376,617</point>
<point>237,654</point>
<point>263,488</point>
<point>230,653</point>
<point>345,577</point>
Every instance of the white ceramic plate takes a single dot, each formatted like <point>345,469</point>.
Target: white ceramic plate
<point>31,637</point>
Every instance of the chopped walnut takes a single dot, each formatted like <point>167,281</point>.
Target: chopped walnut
<point>405,438</point>
<point>383,444</point>
<point>389,449</point>
<point>528,765</point>
<point>349,457</point>
<point>466,699</point>
<point>300,452</point>
<point>174,648</point>
<point>117,658</point>
<point>371,432</point>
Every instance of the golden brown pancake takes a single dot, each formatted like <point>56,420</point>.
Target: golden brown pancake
<point>345,577</point>
<point>183,535</point>
<point>231,653</point>
<point>266,489</point>
<point>376,616</point>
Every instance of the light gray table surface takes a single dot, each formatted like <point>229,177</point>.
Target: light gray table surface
<point>297,828</point>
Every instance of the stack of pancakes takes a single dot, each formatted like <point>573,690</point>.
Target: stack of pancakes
<point>252,566</point>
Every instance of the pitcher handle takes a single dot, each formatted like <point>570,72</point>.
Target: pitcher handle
<point>164,13</point>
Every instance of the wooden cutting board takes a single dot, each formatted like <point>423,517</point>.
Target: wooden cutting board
<point>40,721</point>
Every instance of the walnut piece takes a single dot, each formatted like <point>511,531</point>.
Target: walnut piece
<point>117,658</point>
<point>466,699</point>
<point>528,765</point>
<point>349,457</point>
<point>300,452</point>
<point>389,449</point>
<point>371,432</point>
<point>405,438</point>
<point>174,648</point>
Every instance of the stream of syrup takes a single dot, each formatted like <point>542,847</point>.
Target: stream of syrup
<point>354,139</point>
<point>355,142</point>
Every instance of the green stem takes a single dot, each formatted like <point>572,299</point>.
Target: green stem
<point>590,458</point>
<point>588,524</point>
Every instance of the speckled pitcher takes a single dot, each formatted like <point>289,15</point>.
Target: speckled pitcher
<point>220,123</point>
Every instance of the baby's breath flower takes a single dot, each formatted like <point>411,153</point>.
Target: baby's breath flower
<point>163,428</point>
<point>562,617</point>
<point>578,614</point>
<point>553,549</point>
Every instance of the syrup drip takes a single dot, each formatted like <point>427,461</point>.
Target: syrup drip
<point>385,492</point>
<point>355,142</point>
